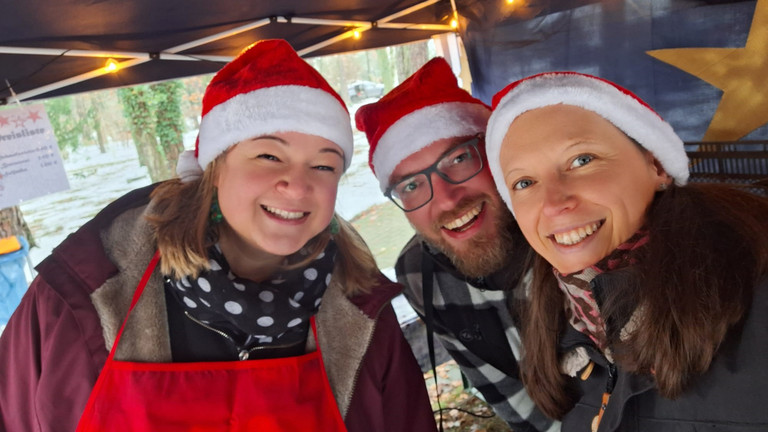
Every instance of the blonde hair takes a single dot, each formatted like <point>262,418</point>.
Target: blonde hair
<point>180,216</point>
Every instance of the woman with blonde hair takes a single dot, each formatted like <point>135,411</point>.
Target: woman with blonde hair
<point>648,309</point>
<point>230,299</point>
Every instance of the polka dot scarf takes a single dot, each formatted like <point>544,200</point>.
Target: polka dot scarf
<point>272,312</point>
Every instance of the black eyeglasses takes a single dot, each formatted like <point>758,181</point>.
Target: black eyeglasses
<point>457,165</point>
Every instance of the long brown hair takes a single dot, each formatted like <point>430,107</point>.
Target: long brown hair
<point>180,215</point>
<point>708,247</point>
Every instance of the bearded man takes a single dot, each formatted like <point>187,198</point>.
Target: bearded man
<point>464,269</point>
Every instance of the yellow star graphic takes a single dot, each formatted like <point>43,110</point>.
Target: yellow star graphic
<point>741,73</point>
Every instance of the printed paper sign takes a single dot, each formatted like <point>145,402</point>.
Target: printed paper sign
<point>30,163</point>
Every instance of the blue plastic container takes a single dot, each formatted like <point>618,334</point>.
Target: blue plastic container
<point>13,281</point>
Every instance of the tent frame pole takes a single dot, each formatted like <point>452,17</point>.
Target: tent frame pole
<point>137,58</point>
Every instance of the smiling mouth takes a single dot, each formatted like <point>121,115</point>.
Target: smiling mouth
<point>575,236</point>
<point>463,222</point>
<point>284,214</point>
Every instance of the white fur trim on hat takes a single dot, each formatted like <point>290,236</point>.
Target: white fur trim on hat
<point>421,128</point>
<point>289,108</point>
<point>624,111</point>
<point>187,167</point>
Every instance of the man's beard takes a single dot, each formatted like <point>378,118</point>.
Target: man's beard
<point>484,253</point>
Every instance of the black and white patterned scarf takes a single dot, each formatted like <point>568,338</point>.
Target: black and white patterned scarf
<point>272,312</point>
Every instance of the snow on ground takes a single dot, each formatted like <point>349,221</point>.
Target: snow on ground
<point>97,179</point>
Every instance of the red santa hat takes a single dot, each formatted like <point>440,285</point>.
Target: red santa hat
<point>426,107</point>
<point>618,105</point>
<point>267,88</point>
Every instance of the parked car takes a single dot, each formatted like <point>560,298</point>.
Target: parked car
<point>360,90</point>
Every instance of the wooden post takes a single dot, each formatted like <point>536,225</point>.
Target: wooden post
<point>12,223</point>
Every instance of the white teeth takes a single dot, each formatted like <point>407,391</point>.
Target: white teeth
<point>577,235</point>
<point>464,219</point>
<point>283,213</point>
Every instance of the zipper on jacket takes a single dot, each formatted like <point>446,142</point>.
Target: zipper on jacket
<point>609,385</point>
<point>242,352</point>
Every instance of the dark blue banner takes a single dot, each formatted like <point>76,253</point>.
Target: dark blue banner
<point>611,39</point>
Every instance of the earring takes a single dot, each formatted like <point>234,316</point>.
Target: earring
<point>662,187</point>
<point>334,225</point>
<point>214,213</point>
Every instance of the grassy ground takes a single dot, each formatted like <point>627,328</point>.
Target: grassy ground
<point>386,230</point>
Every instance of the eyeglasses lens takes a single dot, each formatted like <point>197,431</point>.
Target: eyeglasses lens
<point>457,166</point>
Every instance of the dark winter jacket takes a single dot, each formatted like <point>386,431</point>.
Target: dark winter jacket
<point>58,339</point>
<point>732,396</point>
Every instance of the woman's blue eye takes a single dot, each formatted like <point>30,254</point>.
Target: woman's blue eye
<point>581,160</point>
<point>522,184</point>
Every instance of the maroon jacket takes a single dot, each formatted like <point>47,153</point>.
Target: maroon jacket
<point>57,340</point>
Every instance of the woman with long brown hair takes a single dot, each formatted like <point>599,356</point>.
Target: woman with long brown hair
<point>231,299</point>
<point>649,305</point>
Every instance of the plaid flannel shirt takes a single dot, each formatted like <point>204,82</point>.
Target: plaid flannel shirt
<point>472,320</point>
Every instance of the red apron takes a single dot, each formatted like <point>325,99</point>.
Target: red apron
<point>284,394</point>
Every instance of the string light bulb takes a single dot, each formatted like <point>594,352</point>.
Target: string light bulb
<point>356,34</point>
<point>510,1</point>
<point>455,19</point>
<point>111,66</point>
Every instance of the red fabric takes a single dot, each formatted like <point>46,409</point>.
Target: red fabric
<point>52,352</point>
<point>266,63</point>
<point>31,390</point>
<point>433,84</point>
<point>275,395</point>
<point>53,349</point>
<point>396,405</point>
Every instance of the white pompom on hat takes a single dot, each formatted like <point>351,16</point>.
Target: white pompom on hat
<point>267,88</point>
<point>426,107</point>
<point>619,106</point>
